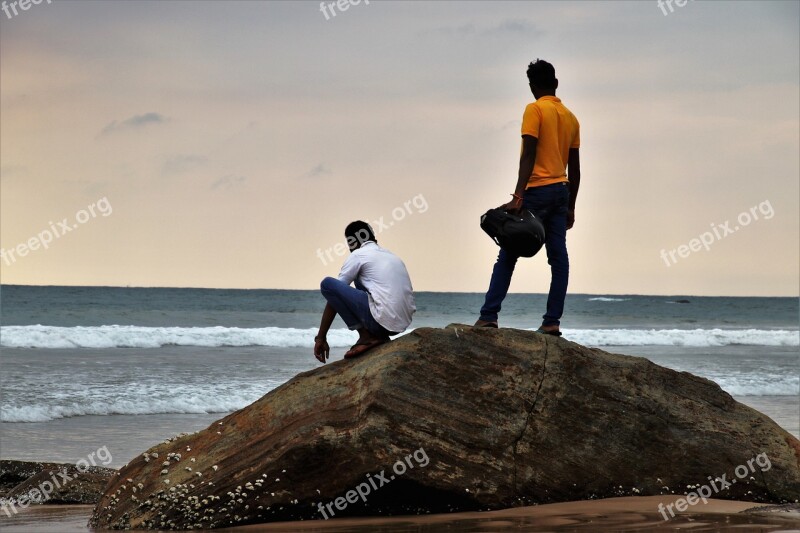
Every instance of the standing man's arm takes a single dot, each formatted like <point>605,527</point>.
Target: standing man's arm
<point>526,163</point>
<point>574,177</point>
<point>321,349</point>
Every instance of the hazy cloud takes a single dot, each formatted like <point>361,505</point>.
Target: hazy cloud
<point>178,164</point>
<point>511,26</point>
<point>317,171</point>
<point>12,171</point>
<point>228,182</point>
<point>450,31</point>
<point>518,26</point>
<point>86,186</point>
<point>134,122</point>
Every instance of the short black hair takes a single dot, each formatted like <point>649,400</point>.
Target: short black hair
<point>357,233</point>
<point>543,75</point>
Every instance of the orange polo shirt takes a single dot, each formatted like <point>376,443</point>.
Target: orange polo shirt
<point>557,130</point>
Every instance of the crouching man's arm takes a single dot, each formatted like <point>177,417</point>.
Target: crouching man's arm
<point>321,349</point>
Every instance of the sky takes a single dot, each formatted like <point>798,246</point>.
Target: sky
<point>227,144</point>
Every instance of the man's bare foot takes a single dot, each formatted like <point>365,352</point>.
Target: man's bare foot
<point>486,324</point>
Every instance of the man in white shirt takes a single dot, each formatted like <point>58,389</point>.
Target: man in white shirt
<point>380,305</point>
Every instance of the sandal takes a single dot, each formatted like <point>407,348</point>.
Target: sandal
<point>360,348</point>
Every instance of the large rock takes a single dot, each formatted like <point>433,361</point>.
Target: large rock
<point>12,472</point>
<point>51,483</point>
<point>457,419</point>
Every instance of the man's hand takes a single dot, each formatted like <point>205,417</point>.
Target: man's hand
<point>321,349</point>
<point>570,218</point>
<point>514,206</point>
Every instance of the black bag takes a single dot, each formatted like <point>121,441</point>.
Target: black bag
<point>521,235</point>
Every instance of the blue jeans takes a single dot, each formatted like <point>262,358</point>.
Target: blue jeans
<point>549,203</point>
<point>352,304</point>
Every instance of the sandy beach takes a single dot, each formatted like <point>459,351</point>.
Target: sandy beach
<point>613,514</point>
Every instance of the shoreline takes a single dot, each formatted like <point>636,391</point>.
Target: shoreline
<point>631,513</point>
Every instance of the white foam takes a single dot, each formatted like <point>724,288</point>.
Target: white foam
<point>226,397</point>
<point>605,299</point>
<point>138,394</point>
<point>130,401</point>
<point>52,337</point>
<point>683,337</point>
<point>758,386</point>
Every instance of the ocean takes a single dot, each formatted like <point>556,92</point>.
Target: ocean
<point>126,368</point>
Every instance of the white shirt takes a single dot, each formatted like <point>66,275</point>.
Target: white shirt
<point>385,278</point>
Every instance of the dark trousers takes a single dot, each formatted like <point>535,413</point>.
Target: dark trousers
<point>549,203</point>
<point>352,304</point>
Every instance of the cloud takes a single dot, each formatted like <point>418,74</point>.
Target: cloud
<point>178,164</point>
<point>13,171</point>
<point>134,122</point>
<point>86,186</point>
<point>518,26</point>
<point>228,182</point>
<point>521,27</point>
<point>450,31</point>
<point>317,171</point>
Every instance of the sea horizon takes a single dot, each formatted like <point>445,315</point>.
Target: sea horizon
<point>179,287</point>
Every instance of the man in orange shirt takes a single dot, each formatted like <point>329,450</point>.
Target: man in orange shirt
<point>549,176</point>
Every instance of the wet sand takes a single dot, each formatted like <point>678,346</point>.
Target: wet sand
<point>613,514</point>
